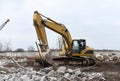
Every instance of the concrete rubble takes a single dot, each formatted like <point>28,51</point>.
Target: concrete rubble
<point>107,56</point>
<point>104,71</point>
<point>62,73</point>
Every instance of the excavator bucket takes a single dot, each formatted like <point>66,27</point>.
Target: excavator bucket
<point>44,58</point>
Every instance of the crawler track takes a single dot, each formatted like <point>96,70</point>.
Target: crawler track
<point>72,61</point>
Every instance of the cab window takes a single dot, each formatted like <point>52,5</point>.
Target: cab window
<point>76,46</point>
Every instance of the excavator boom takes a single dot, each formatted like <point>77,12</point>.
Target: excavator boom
<point>40,25</point>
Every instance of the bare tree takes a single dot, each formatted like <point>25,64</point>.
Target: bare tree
<point>59,42</point>
<point>31,48</point>
<point>7,46</point>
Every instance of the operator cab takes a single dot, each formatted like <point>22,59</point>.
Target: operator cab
<point>78,45</point>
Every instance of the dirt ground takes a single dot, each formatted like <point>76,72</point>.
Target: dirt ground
<point>110,69</point>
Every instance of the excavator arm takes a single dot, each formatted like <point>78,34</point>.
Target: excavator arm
<point>40,25</point>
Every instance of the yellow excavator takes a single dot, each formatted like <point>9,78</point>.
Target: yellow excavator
<point>74,51</point>
<point>1,27</point>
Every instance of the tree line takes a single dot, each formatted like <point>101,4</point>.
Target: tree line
<point>7,47</point>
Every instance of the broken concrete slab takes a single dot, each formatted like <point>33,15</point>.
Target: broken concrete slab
<point>61,69</point>
<point>69,71</point>
<point>77,71</point>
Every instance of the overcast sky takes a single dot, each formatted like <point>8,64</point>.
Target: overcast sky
<point>97,21</point>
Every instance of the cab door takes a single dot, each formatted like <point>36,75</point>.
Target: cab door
<point>76,46</point>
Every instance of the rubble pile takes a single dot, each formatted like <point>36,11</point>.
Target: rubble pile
<point>62,73</point>
<point>107,57</point>
<point>23,69</point>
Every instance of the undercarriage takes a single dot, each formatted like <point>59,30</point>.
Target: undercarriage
<point>47,60</point>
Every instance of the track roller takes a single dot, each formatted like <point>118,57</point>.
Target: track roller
<point>92,61</point>
<point>85,62</point>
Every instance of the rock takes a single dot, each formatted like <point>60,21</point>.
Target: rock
<point>52,79</point>
<point>36,77</point>
<point>65,79</point>
<point>67,76</point>
<point>61,69</point>
<point>43,78</point>
<point>52,72</point>
<point>13,78</point>
<point>5,78</point>
<point>76,78</point>
<point>46,70</point>
<point>69,71</point>
<point>30,75</point>
<point>84,79</point>
<point>99,56</point>
<point>24,78</point>
<point>91,76</point>
<point>114,58</point>
<point>77,71</point>
<point>3,72</point>
<point>73,76</point>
